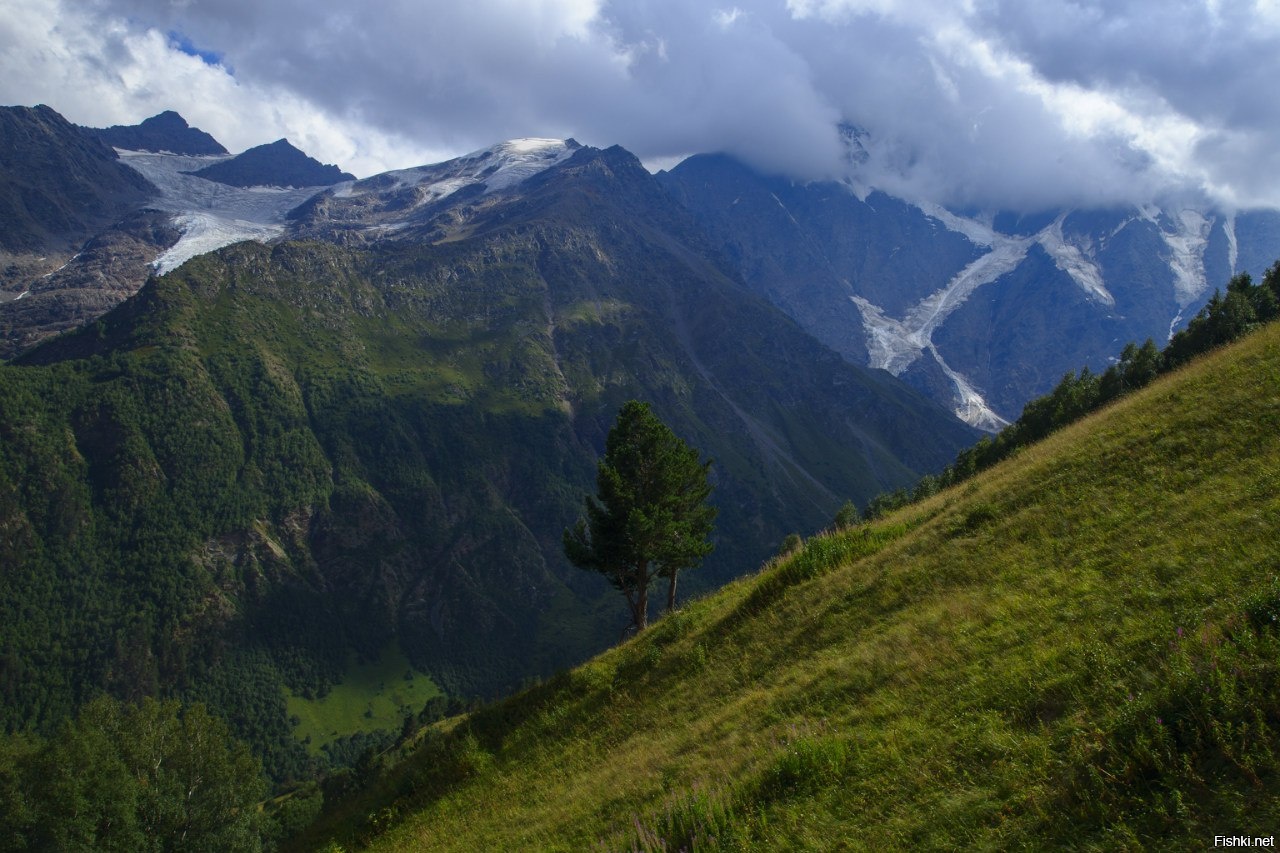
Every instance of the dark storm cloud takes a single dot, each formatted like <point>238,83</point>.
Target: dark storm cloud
<point>997,103</point>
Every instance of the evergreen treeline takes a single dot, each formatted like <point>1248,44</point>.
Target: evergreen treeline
<point>1222,320</point>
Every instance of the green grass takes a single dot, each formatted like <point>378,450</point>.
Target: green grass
<point>1076,650</point>
<point>371,697</point>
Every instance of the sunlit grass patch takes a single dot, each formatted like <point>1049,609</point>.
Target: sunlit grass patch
<point>371,697</point>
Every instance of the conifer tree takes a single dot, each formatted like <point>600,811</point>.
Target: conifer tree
<point>650,517</point>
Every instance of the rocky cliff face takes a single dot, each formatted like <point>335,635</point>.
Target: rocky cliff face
<point>982,313</point>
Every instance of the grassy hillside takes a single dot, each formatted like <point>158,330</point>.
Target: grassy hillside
<point>1078,648</point>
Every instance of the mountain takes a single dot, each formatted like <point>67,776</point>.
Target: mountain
<point>275,458</point>
<point>58,186</point>
<point>1075,650</point>
<point>277,164</point>
<point>73,241</point>
<point>407,204</point>
<point>167,132</point>
<point>108,268</point>
<point>109,221</point>
<point>981,313</point>
<point>314,471</point>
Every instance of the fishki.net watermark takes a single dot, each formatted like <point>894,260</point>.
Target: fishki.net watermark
<point>1244,841</point>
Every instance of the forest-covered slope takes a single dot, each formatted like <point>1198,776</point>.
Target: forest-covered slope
<point>275,457</point>
<point>1077,648</point>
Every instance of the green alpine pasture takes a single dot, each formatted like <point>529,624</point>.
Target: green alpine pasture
<point>370,697</point>
<point>1076,649</point>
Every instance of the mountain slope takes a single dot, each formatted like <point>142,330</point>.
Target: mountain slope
<point>277,164</point>
<point>983,313</point>
<point>58,184</point>
<point>403,204</point>
<point>1075,649</point>
<point>166,131</point>
<point>274,456</point>
<point>73,242</point>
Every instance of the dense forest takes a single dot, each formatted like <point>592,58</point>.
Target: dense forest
<point>137,777</point>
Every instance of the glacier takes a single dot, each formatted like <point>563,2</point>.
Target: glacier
<point>1187,240</point>
<point>894,345</point>
<point>498,167</point>
<point>211,215</point>
<point>1074,262</point>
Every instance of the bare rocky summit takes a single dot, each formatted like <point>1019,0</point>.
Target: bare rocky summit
<point>167,132</point>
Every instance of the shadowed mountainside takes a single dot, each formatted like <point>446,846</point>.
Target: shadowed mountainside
<point>274,456</point>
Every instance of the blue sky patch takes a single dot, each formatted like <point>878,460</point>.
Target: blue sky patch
<point>184,44</point>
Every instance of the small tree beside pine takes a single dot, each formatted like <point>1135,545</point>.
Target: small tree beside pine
<point>650,517</point>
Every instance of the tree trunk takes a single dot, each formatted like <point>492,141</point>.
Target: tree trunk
<point>671,593</point>
<point>642,608</point>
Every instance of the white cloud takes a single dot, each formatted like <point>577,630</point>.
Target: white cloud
<point>725,17</point>
<point>1016,103</point>
<point>102,71</point>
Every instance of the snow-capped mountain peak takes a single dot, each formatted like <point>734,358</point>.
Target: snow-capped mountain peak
<point>497,168</point>
<point>399,203</point>
<point>211,215</point>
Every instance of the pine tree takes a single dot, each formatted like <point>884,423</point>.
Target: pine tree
<point>650,517</point>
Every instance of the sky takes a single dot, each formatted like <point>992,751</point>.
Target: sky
<point>975,104</point>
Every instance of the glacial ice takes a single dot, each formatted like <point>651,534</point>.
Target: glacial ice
<point>970,406</point>
<point>212,215</point>
<point>1074,262</point>
<point>203,232</point>
<point>1186,241</point>
<point>500,167</point>
<point>1233,247</point>
<point>894,345</point>
<point>209,214</point>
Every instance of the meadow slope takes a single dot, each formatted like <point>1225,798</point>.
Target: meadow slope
<point>1075,649</point>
